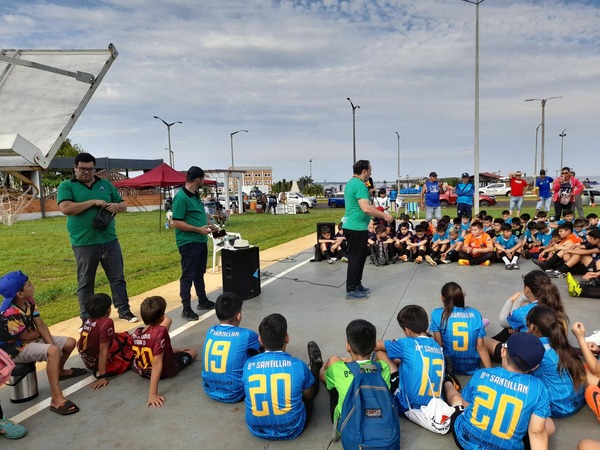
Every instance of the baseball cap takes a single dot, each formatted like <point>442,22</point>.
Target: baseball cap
<point>465,175</point>
<point>10,284</point>
<point>433,174</point>
<point>525,350</point>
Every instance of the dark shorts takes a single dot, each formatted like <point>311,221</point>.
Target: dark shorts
<point>183,359</point>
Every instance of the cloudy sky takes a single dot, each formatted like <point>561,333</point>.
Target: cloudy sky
<point>282,69</point>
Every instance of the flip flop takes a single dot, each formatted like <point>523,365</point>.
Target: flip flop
<point>67,408</point>
<point>75,372</point>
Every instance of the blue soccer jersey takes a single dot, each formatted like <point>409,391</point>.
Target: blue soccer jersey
<point>226,349</point>
<point>459,337</point>
<point>518,318</point>
<point>507,243</point>
<point>544,238</point>
<point>414,386</point>
<point>500,406</point>
<point>564,399</point>
<point>273,383</point>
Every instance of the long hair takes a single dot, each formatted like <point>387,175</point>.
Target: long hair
<point>549,325</point>
<point>546,293</point>
<point>453,295</point>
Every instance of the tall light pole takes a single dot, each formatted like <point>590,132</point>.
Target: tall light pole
<point>543,102</point>
<point>231,138</point>
<point>562,140</point>
<point>169,125</point>
<point>535,171</point>
<point>398,177</point>
<point>354,108</point>
<point>476,143</point>
<point>310,167</point>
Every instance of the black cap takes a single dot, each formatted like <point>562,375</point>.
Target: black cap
<point>433,174</point>
<point>465,175</point>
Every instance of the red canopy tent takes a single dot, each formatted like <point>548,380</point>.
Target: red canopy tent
<point>161,177</point>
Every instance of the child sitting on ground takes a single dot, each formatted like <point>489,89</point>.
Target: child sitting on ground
<point>439,244</point>
<point>361,337</point>
<point>401,240</point>
<point>579,229</point>
<point>154,357</point>
<point>477,248</point>
<point>26,338</point>
<point>326,246</point>
<point>279,388</point>
<point>455,246</point>
<point>517,227</point>
<point>227,346</point>
<point>421,367</point>
<point>341,243</point>
<point>417,246</point>
<point>103,351</point>
<point>508,246</point>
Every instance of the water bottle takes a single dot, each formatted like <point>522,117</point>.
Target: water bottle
<point>167,225</point>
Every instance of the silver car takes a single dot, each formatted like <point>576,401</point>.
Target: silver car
<point>586,198</point>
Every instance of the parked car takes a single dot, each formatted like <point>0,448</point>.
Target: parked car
<point>301,202</point>
<point>337,200</point>
<point>448,198</point>
<point>586,199</point>
<point>496,189</point>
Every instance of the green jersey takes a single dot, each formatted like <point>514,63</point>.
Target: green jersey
<point>339,376</point>
<point>356,219</point>
<point>81,231</point>
<point>188,207</point>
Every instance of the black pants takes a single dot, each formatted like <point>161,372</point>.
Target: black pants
<point>193,266</point>
<point>590,290</point>
<point>475,260</point>
<point>559,208</point>
<point>357,255</point>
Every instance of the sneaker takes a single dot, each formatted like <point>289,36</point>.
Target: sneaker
<point>557,274</point>
<point>315,358</point>
<point>404,258</point>
<point>446,261</point>
<point>206,304</point>
<point>344,259</point>
<point>330,261</point>
<point>11,430</point>
<point>419,259</point>
<point>509,267</point>
<point>464,262</point>
<point>363,289</point>
<point>128,316</point>
<point>573,285</point>
<point>334,259</point>
<point>356,295</point>
<point>485,263</point>
<point>592,398</point>
<point>516,267</point>
<point>189,315</point>
<point>430,261</point>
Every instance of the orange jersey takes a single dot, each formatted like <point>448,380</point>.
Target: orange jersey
<point>482,241</point>
<point>573,239</point>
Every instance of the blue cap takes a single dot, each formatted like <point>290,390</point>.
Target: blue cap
<point>526,350</point>
<point>10,284</point>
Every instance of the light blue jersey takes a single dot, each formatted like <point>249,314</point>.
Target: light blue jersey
<point>564,399</point>
<point>544,238</point>
<point>414,382</point>
<point>459,336</point>
<point>507,243</point>
<point>226,349</point>
<point>500,406</point>
<point>518,318</point>
<point>273,383</point>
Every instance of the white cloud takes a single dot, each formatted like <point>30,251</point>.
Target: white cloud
<point>283,70</point>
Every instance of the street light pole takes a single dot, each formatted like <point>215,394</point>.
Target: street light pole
<point>398,177</point>
<point>562,140</point>
<point>310,167</point>
<point>476,143</point>
<point>543,102</point>
<point>231,138</point>
<point>354,108</point>
<point>169,125</point>
<point>535,171</point>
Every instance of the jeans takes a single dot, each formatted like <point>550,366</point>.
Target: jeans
<point>515,203</point>
<point>193,266</point>
<point>543,204</point>
<point>357,255</point>
<point>109,256</point>
<point>433,211</point>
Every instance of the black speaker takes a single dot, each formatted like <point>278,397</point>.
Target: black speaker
<point>241,271</point>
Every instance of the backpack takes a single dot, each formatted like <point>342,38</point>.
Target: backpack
<point>368,418</point>
<point>379,254</point>
<point>120,353</point>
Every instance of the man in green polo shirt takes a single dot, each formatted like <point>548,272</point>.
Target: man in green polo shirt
<point>358,214</point>
<point>191,234</point>
<point>80,199</point>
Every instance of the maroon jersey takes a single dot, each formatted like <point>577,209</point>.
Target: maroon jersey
<point>95,332</point>
<point>151,342</point>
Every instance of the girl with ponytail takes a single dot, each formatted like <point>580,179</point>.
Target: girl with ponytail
<point>561,370</point>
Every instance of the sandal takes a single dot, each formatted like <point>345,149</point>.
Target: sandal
<point>75,372</point>
<point>67,408</point>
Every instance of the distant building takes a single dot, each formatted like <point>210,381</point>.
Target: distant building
<point>259,176</point>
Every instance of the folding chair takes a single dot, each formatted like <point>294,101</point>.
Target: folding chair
<point>219,243</point>
<point>412,208</point>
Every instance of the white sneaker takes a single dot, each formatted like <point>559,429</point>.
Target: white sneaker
<point>330,261</point>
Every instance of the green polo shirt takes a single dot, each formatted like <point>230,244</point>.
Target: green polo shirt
<point>80,227</point>
<point>356,219</point>
<point>188,207</point>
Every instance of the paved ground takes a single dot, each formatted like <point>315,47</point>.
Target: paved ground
<point>311,296</point>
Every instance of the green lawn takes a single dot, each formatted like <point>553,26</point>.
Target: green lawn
<point>41,249</point>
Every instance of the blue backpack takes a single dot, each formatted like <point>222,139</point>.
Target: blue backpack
<point>368,419</point>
